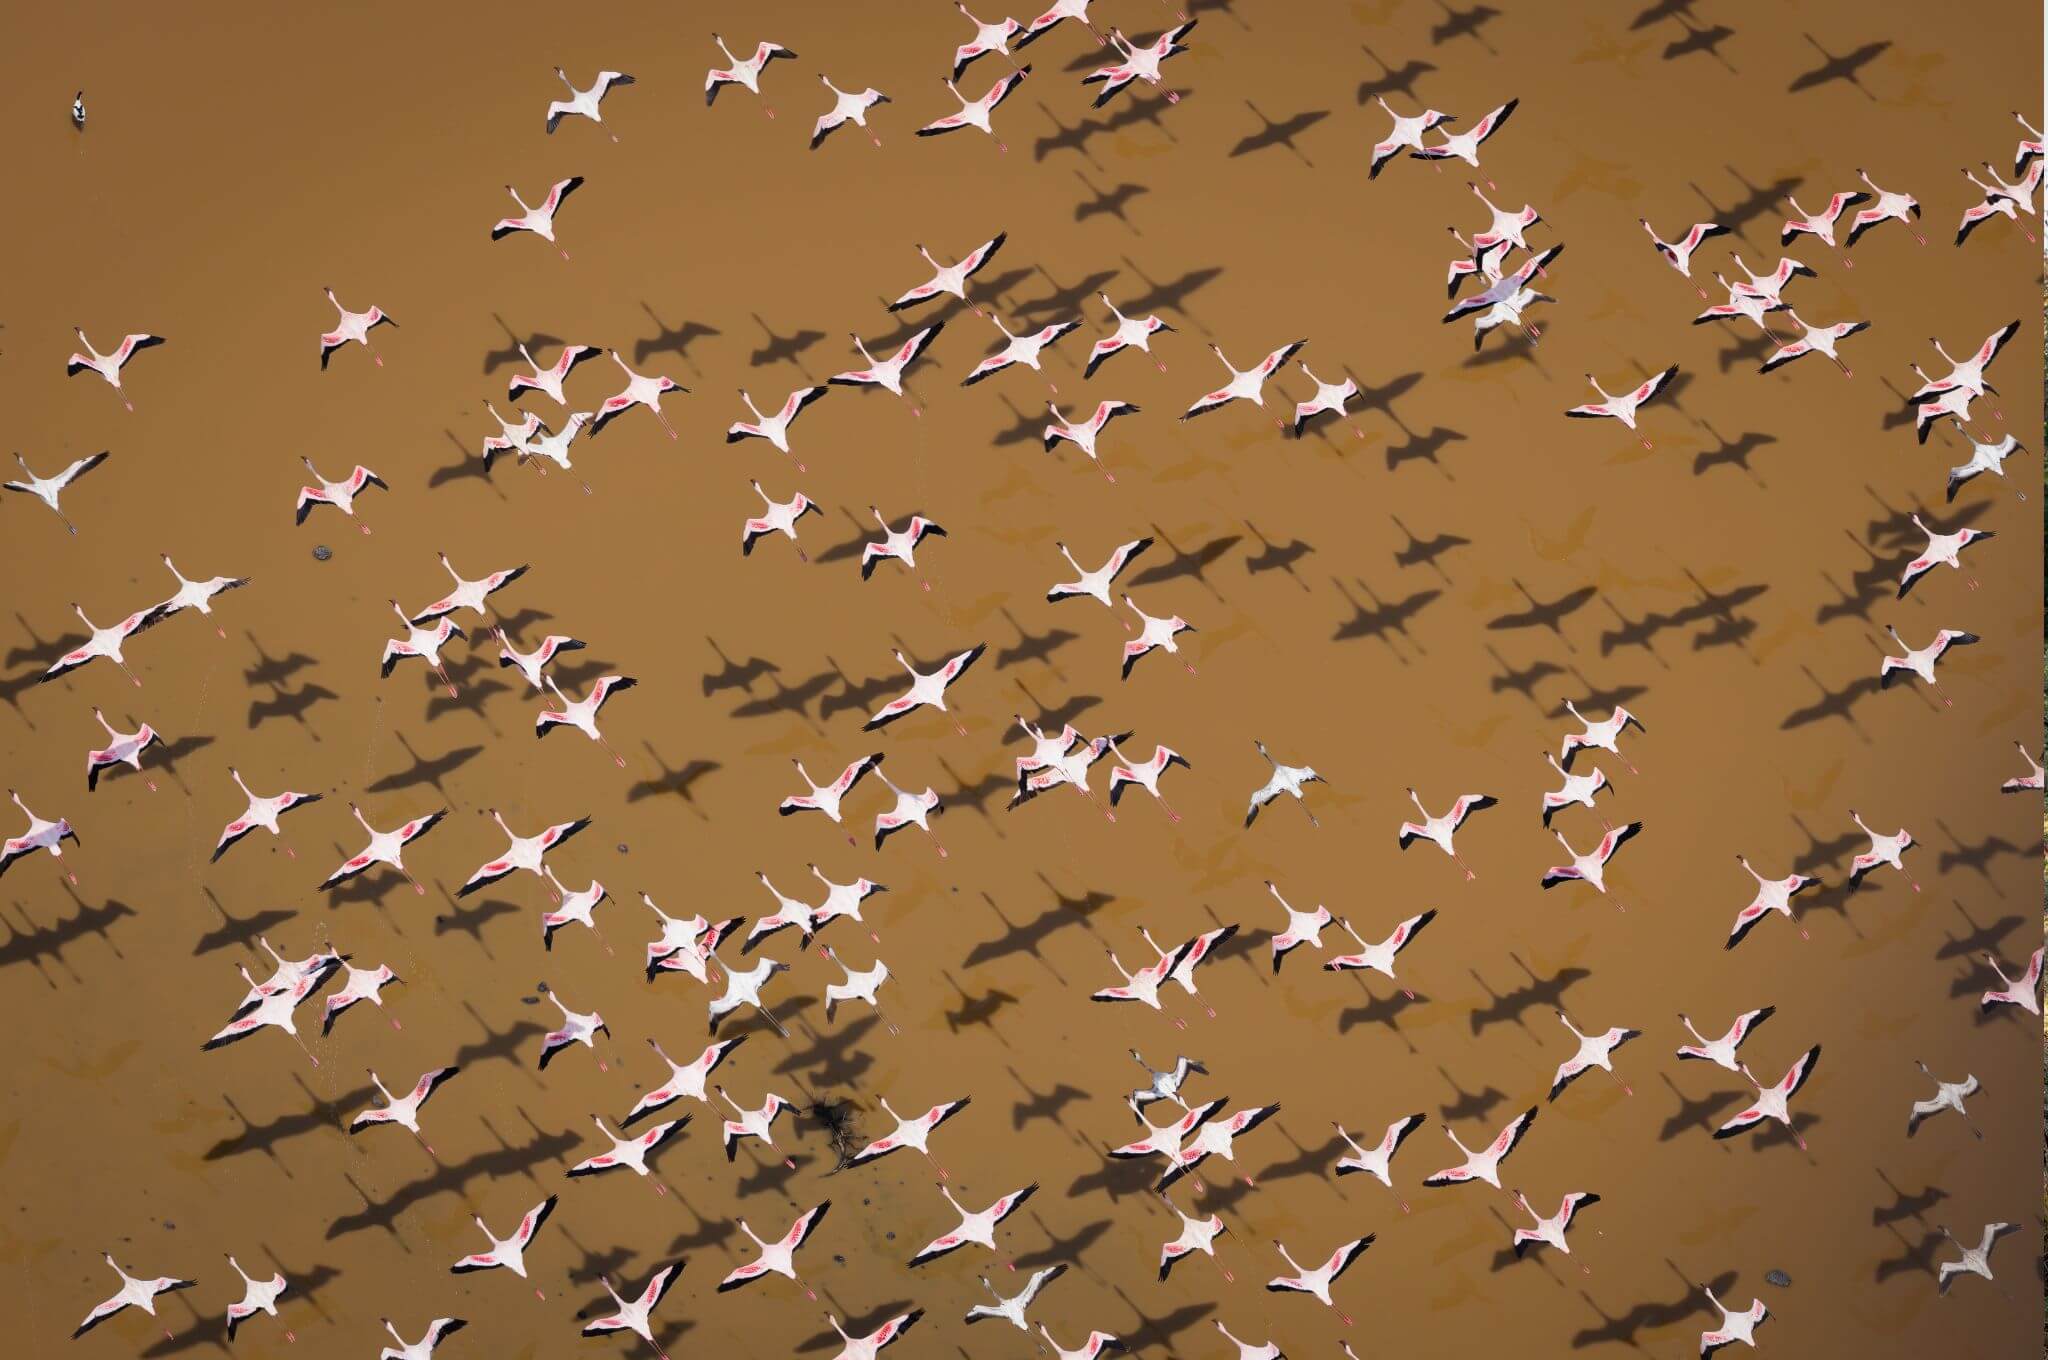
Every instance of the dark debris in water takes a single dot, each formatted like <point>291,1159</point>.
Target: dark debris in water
<point>321,552</point>
<point>1778,1278</point>
<point>838,1118</point>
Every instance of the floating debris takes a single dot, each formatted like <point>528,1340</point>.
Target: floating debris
<point>321,552</point>
<point>1778,1278</point>
<point>622,847</point>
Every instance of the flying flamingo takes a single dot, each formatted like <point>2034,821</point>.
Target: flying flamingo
<point>1145,774</point>
<point>1154,632</point>
<point>1292,780</point>
<point>951,279</point>
<point>1380,957</point>
<point>41,835</point>
<point>1464,146</point>
<point>2023,991</point>
<point>1590,867</point>
<point>1772,1101</point>
<point>258,1296</point>
<point>109,366</point>
<point>1595,1050</point>
<point>1722,1051</point>
<point>1246,385</point>
<point>523,852</point>
<point>1130,332</point>
<point>122,748</point>
<point>508,1253</point>
<point>887,374</point>
<point>1622,406</point>
<point>424,643</point>
<point>1604,735</point>
<point>1303,927</point>
<point>1948,1095</point>
<point>1378,1160</point>
<point>530,664</point>
<point>898,544</point>
<point>1891,207</point>
<point>779,517</point>
<point>848,106</point>
<point>1317,1282</point>
<point>537,218</point>
<point>581,714</point>
<point>341,495</point>
<point>1440,830</point>
<point>1011,1310</point>
<point>1019,349</point>
<point>1919,662</point>
<point>104,642</point>
<point>422,1349</point>
<point>548,381</point>
<point>744,73</point>
<point>403,1111</point>
<point>1483,1164</point>
<point>631,1153</point>
<point>685,1081</point>
<point>353,326</point>
<point>1139,63</point>
<point>1678,254</point>
<point>385,847</point>
<point>775,428</point>
<point>133,1293</point>
<point>778,1257</point>
<point>975,113</point>
<point>1550,1231</point>
<point>912,1133</point>
<point>640,390</point>
<point>637,1316</point>
<point>584,104</point>
<point>1884,850</point>
<point>358,984</point>
<point>825,798</point>
<point>262,812</point>
<point>977,1228</point>
<point>1083,434</point>
<point>911,809</point>
<point>48,489</point>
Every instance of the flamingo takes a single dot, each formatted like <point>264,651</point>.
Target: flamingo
<point>122,748</point>
<point>1735,1326</point>
<point>1622,406</point>
<point>1550,1231</point>
<point>1218,1138</point>
<point>900,545</point>
<point>341,495</point>
<point>1406,135</point>
<point>743,988</point>
<point>1772,1102</point>
<point>1083,434</point>
<point>1317,1282</point>
<point>1505,298</point>
<point>353,326</point>
<point>976,1227</point>
<point>1604,735</point>
<point>197,594</point>
<point>1061,11</point>
<point>1884,850</point>
<point>1246,385</point>
<point>825,798</point>
<point>1822,223</point>
<point>1592,866</point>
<point>775,428</point>
<point>2023,991</point>
<point>1440,830</point>
<point>581,714</point>
<point>1948,1095</point>
<point>422,642</point>
<point>531,664</point>
<point>911,809</point>
<point>403,1111</point>
<point>1146,774</point>
<point>1678,254</point>
<point>1303,927</point>
<point>514,439</point>
<point>1983,458</point>
<point>2030,782</point>
<point>778,1257</point>
<point>789,912</point>
<point>105,642</point>
<point>358,984</point>
<point>470,595</point>
<point>1380,957</point>
<point>641,390</point>
<point>1817,340</point>
<point>1772,894</point>
<point>1483,1164</point>
<point>538,218</point>
<point>1292,780</point>
<point>508,1253</point>
<point>1595,1050</point>
<point>860,985</point>
<point>637,1316</point>
<point>752,1123</point>
<point>262,812</point>
<point>1578,788</point>
<point>950,279</point>
<point>1919,662</point>
<point>1196,1234</point>
<point>1018,349</point>
<point>848,106</point>
<point>578,1027</point>
<point>384,848</point>
<point>549,381</point>
<point>1770,287</point>
<point>1139,63</point>
<point>584,103</point>
<point>631,1153</point>
<point>1095,583</point>
<point>1330,398</point>
<point>1890,207</point>
<point>1011,1310</point>
<point>521,852</point>
<point>987,38</point>
<point>887,374</point>
<point>975,113</point>
<point>2000,199</point>
<point>1464,146</point>
<point>911,1133</point>
<point>109,366</point>
<point>1154,632</point>
<point>745,73</point>
<point>685,1080</point>
<point>258,1296</point>
<point>574,908</point>
<point>422,1349</point>
<point>133,1293</point>
<point>1130,332</point>
<point>1975,1260</point>
<point>41,835</point>
<point>869,1346</point>
<point>1721,1051</point>
<point>48,489</point>
<point>2029,148</point>
<point>1142,986</point>
<point>778,517</point>
<point>1268,1351</point>
<point>1377,1161</point>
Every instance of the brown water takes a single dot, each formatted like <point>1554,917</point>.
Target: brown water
<point>236,163</point>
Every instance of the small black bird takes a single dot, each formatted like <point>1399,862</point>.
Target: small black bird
<point>78,110</point>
